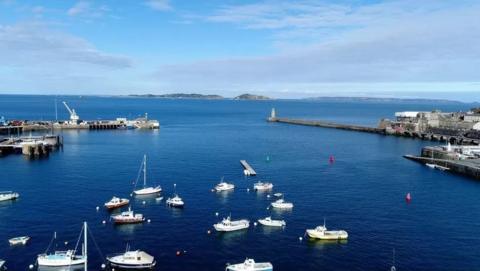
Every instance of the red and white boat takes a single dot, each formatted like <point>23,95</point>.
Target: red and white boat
<point>116,203</point>
<point>128,217</point>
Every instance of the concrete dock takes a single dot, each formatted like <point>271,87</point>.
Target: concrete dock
<point>248,168</point>
<point>326,124</point>
<point>469,168</point>
<point>33,146</point>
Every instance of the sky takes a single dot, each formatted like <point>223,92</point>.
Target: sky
<point>281,48</point>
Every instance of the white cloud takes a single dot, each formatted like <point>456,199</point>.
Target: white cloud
<point>86,9</point>
<point>395,41</point>
<point>34,45</point>
<point>160,5</point>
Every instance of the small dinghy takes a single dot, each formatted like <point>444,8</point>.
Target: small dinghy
<point>250,265</point>
<point>224,186</point>
<point>146,190</point>
<point>262,186</point>
<point>159,199</point>
<point>282,204</point>
<point>132,260</point>
<point>231,225</point>
<point>176,202</point>
<point>116,203</point>
<point>322,233</point>
<point>8,195</point>
<point>278,195</point>
<point>268,221</point>
<point>2,264</point>
<point>430,165</point>
<point>65,258</point>
<point>22,240</point>
<point>128,217</point>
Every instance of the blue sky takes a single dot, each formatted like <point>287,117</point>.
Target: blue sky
<point>282,48</point>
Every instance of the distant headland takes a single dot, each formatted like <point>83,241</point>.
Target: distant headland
<point>200,96</point>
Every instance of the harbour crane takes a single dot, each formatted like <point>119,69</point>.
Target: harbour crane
<point>73,115</point>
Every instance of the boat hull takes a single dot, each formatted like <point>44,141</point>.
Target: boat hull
<point>148,191</point>
<point>115,206</point>
<point>256,267</point>
<point>272,223</point>
<point>329,235</point>
<point>19,240</point>
<point>7,197</point>
<point>52,262</point>
<point>128,221</point>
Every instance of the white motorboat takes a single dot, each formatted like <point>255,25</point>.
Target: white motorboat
<point>132,260</point>
<point>268,221</point>
<point>176,201</point>
<point>65,258</point>
<point>224,186</point>
<point>435,166</point>
<point>128,217</point>
<point>2,264</point>
<point>262,186</point>
<point>22,240</point>
<point>227,225</point>
<point>282,204</point>
<point>250,265</point>
<point>322,233</point>
<point>116,203</point>
<point>430,165</point>
<point>278,195</point>
<point>8,195</point>
<point>146,190</point>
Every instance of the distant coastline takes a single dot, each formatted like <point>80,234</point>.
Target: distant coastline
<point>381,99</point>
<point>200,96</point>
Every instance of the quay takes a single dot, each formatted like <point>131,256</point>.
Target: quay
<point>32,146</point>
<point>464,160</point>
<point>413,127</point>
<point>248,169</point>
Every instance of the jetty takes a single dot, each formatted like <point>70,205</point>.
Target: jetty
<point>248,169</point>
<point>459,159</point>
<point>31,146</point>
<point>386,127</point>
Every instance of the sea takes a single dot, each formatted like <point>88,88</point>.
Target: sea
<point>202,141</point>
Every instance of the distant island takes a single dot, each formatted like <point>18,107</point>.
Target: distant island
<point>180,96</point>
<point>381,100</point>
<point>251,97</point>
<point>199,96</point>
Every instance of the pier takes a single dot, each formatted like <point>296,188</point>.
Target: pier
<point>440,135</point>
<point>469,168</point>
<point>248,169</point>
<point>33,146</point>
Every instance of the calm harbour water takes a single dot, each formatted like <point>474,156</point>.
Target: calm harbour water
<point>201,141</point>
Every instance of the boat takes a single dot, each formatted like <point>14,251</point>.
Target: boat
<point>146,190</point>
<point>261,186</point>
<point>116,203</point>
<point>282,204</point>
<point>250,265</point>
<point>435,166</point>
<point>65,258</point>
<point>128,217</point>
<point>430,165</point>
<point>322,233</point>
<point>224,186</point>
<point>278,195</point>
<point>2,264</point>
<point>176,201</point>
<point>268,221</point>
<point>227,225</point>
<point>22,240</point>
<point>132,260</point>
<point>159,198</point>
<point>8,195</point>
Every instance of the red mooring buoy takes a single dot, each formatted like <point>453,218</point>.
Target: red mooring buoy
<point>408,198</point>
<point>331,159</point>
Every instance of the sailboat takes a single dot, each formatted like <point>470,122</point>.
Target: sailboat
<point>65,258</point>
<point>146,190</point>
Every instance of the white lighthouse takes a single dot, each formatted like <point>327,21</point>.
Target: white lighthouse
<point>273,115</point>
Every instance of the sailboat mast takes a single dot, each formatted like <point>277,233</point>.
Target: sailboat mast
<point>85,244</point>
<point>144,170</point>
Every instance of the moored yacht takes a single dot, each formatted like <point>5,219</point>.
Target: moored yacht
<point>250,265</point>
<point>224,186</point>
<point>268,221</point>
<point>132,260</point>
<point>65,258</point>
<point>176,202</point>
<point>128,217</point>
<point>282,204</point>
<point>262,186</point>
<point>116,203</point>
<point>146,190</point>
<point>227,225</point>
<point>322,233</point>
<point>8,195</point>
